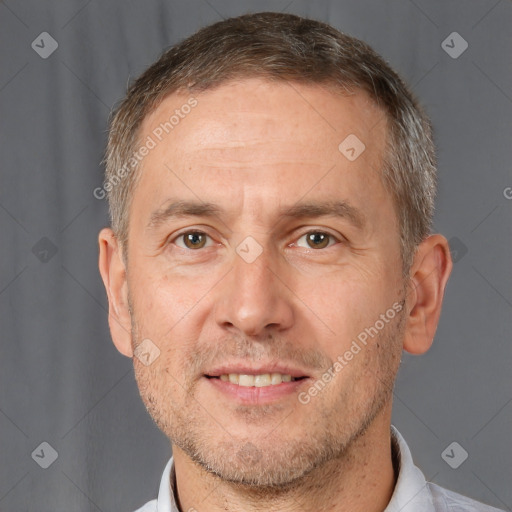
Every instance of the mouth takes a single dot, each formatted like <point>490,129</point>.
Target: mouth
<point>256,385</point>
<point>247,384</point>
<point>253,389</point>
<point>260,380</point>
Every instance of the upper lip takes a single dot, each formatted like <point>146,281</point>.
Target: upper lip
<point>245,369</point>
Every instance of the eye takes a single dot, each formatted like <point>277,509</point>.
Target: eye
<point>317,239</point>
<point>192,240</point>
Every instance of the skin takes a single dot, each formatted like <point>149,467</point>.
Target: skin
<point>254,147</point>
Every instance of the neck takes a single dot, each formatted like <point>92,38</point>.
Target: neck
<point>362,479</point>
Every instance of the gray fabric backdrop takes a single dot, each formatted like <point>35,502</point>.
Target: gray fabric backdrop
<point>62,381</point>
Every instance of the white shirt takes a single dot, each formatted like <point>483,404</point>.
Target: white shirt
<point>412,492</point>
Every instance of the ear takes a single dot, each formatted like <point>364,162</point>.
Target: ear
<point>429,274</point>
<point>113,273</point>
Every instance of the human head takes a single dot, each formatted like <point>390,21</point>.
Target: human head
<point>254,146</point>
<point>283,47</point>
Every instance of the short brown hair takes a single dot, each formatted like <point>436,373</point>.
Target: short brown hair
<point>284,47</point>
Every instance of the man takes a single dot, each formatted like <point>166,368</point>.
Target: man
<point>271,185</point>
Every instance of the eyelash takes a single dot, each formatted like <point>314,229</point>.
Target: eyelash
<point>198,232</point>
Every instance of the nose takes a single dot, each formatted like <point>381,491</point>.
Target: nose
<point>254,298</point>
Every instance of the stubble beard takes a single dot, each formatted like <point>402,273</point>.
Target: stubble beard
<point>274,462</point>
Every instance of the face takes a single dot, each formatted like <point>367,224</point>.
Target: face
<point>258,247</point>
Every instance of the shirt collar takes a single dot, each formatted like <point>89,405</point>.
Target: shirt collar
<point>166,494</point>
<point>411,492</point>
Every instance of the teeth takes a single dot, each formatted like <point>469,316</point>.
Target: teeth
<point>276,378</point>
<point>245,380</point>
<point>259,381</point>
<point>262,380</point>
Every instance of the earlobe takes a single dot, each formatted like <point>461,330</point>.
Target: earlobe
<point>427,282</point>
<point>113,273</point>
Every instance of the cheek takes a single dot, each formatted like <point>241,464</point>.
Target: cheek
<point>159,313</point>
<point>162,302</point>
<point>342,306</point>
<point>165,382</point>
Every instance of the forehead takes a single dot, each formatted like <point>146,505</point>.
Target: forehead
<point>240,112</point>
<point>258,142</point>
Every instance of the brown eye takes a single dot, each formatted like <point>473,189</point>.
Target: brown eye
<point>317,240</point>
<point>193,239</point>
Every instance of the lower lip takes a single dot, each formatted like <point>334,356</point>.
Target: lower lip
<point>255,395</point>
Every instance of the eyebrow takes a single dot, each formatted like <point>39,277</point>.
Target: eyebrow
<point>341,209</point>
<point>180,209</point>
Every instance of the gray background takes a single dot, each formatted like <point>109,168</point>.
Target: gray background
<point>61,379</point>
